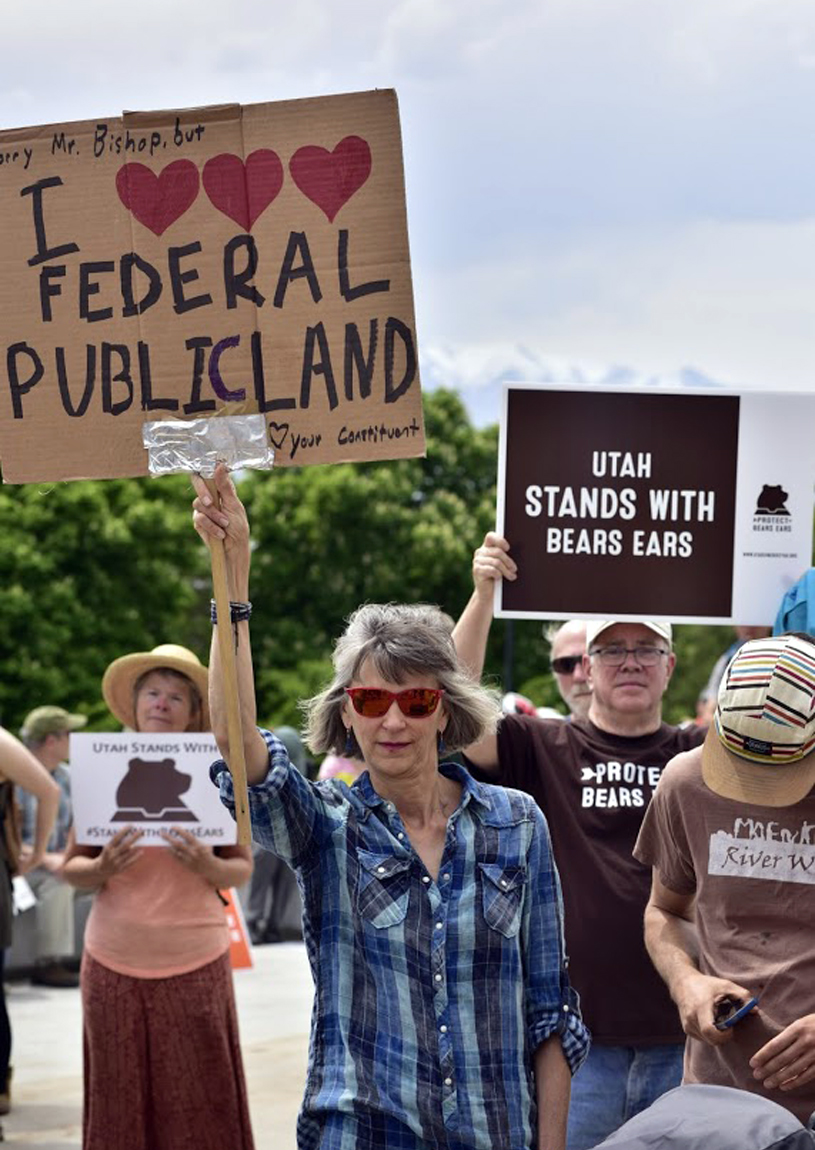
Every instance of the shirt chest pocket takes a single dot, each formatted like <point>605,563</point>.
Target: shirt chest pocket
<point>503,894</point>
<point>383,888</point>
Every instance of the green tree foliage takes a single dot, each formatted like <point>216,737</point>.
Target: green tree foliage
<point>91,571</point>
<point>330,538</point>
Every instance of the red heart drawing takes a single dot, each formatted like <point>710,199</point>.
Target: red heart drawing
<point>329,179</point>
<point>158,200</point>
<point>243,193</point>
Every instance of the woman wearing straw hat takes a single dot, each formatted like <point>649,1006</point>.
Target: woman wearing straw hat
<point>162,1059</point>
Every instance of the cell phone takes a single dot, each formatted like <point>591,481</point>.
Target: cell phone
<point>730,1010</point>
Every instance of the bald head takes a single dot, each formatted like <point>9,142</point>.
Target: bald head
<point>569,644</point>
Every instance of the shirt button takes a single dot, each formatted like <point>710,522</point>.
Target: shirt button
<point>448,1082</point>
<point>400,836</point>
<point>443,1029</point>
<point>391,807</point>
<point>425,878</point>
<point>380,870</point>
<point>503,882</point>
<point>439,925</point>
<point>565,1010</point>
<point>437,977</point>
<point>446,877</point>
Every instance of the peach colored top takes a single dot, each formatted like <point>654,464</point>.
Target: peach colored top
<point>156,919</point>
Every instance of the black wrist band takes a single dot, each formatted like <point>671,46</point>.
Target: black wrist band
<point>238,612</point>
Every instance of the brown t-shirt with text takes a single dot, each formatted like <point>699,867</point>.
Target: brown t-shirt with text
<point>752,870</point>
<point>594,788</point>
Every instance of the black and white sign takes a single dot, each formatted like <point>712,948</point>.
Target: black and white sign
<point>691,506</point>
<point>149,781</point>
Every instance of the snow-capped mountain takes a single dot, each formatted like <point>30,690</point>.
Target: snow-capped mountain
<point>478,373</point>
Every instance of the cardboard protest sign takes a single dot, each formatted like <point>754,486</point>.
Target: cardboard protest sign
<point>223,259</point>
<point>149,781</point>
<point>691,506</point>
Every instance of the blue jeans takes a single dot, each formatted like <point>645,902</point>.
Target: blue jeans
<point>614,1084</point>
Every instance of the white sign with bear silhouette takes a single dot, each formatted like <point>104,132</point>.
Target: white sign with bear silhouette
<point>773,531</point>
<point>153,782</point>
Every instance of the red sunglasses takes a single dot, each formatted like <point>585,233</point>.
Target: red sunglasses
<point>415,702</point>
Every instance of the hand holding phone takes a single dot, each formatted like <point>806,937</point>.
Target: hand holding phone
<point>729,1010</point>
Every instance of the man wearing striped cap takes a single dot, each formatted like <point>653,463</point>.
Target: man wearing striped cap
<point>730,834</point>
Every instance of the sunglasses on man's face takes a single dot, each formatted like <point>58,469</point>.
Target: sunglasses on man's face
<point>566,664</point>
<point>414,702</point>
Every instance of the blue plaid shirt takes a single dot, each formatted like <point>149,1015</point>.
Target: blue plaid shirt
<point>431,995</point>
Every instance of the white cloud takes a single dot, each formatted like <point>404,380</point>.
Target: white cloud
<point>736,299</point>
<point>625,181</point>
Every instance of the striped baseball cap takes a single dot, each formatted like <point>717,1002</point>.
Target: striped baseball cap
<point>760,747</point>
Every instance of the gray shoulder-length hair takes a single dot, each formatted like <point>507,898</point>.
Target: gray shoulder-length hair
<point>401,641</point>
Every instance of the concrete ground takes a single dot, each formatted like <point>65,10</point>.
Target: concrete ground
<point>274,1006</point>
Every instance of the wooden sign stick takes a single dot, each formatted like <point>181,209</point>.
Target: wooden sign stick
<point>239,441</point>
<point>229,670</point>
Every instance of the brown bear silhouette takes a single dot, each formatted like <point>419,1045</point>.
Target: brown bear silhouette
<point>151,792</point>
<point>772,500</point>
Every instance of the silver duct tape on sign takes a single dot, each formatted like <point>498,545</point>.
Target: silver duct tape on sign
<point>199,444</point>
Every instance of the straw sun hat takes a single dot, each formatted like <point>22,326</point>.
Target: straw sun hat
<point>123,674</point>
<point>761,746</point>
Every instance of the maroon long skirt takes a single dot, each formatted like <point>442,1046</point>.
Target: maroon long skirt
<point>163,1066</point>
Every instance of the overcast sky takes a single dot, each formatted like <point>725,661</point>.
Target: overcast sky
<point>600,181</point>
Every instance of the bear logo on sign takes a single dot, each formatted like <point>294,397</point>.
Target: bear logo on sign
<point>151,792</point>
<point>772,501</point>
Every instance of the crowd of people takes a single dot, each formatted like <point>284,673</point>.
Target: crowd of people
<point>593,777</point>
<point>523,931</point>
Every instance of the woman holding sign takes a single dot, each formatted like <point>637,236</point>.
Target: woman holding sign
<point>443,1013</point>
<point>162,1060</point>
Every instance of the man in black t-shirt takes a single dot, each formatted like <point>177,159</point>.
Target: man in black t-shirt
<point>594,778</point>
